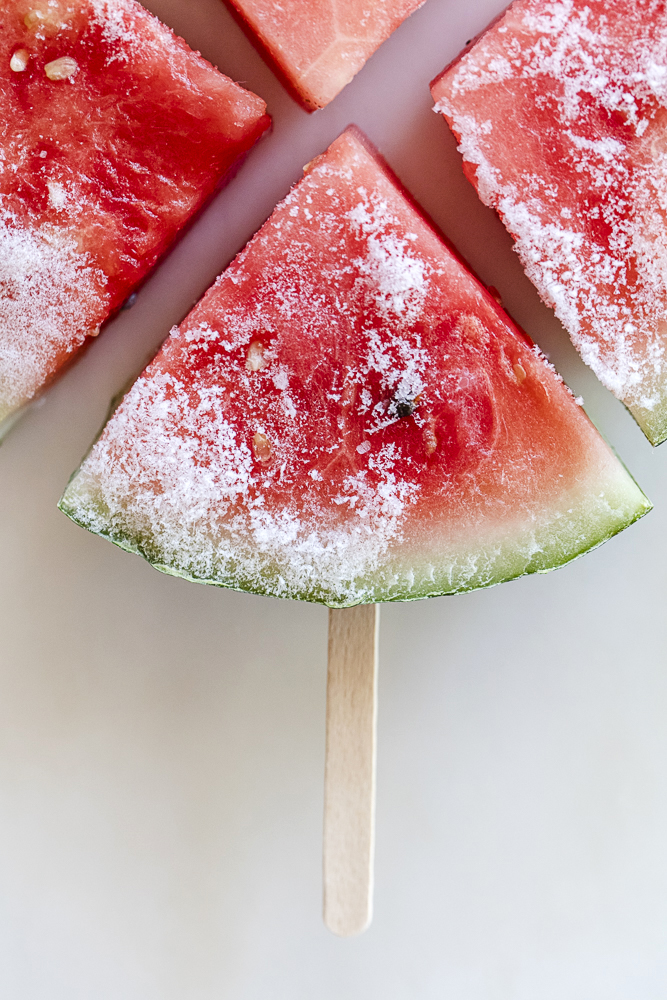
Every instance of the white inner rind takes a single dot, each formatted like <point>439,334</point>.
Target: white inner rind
<point>328,569</point>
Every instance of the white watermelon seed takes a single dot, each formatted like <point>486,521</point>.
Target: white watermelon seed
<point>61,69</point>
<point>255,359</point>
<point>19,60</point>
<point>430,440</point>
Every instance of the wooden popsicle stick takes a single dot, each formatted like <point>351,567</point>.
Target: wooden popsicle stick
<point>349,778</point>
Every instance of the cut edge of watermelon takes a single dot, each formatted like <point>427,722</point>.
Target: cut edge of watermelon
<point>544,550</point>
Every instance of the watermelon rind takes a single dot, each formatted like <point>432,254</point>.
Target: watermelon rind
<point>601,510</point>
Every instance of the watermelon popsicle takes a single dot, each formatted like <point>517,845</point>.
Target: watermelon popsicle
<point>560,109</point>
<point>348,417</point>
<point>114,133</point>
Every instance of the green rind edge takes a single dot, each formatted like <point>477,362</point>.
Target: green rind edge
<point>130,545</point>
<point>653,423</point>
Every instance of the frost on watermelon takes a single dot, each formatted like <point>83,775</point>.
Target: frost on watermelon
<point>561,113</point>
<point>317,46</point>
<point>112,134</point>
<point>348,416</point>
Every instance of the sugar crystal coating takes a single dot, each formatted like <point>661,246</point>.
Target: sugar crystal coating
<point>561,113</point>
<point>113,134</point>
<point>349,416</point>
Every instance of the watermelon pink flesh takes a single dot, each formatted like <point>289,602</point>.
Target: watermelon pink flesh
<point>348,416</point>
<point>561,113</point>
<point>112,134</point>
<point>317,46</point>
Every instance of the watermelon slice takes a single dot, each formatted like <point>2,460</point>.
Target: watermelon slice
<point>317,46</point>
<point>561,113</point>
<point>112,134</point>
<point>348,416</point>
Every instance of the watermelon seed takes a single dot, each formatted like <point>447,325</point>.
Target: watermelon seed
<point>261,447</point>
<point>19,60</point>
<point>49,23</point>
<point>364,447</point>
<point>61,69</point>
<point>255,359</point>
<point>430,440</point>
<point>405,408</point>
<point>519,371</point>
<point>402,406</point>
<point>33,18</point>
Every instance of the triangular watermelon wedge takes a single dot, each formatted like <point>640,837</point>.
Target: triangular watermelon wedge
<point>560,110</point>
<point>317,46</point>
<point>348,416</point>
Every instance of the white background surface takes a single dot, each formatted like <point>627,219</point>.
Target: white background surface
<point>161,744</point>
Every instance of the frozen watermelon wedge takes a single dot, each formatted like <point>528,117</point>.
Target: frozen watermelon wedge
<point>317,46</point>
<point>561,113</point>
<point>112,134</point>
<point>348,416</point>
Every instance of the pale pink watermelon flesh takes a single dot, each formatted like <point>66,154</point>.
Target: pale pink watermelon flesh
<point>348,416</point>
<point>113,133</point>
<point>560,110</point>
<point>317,46</point>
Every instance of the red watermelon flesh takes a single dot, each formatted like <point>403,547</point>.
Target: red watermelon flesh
<point>561,113</point>
<point>317,46</point>
<point>112,134</point>
<point>348,416</point>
